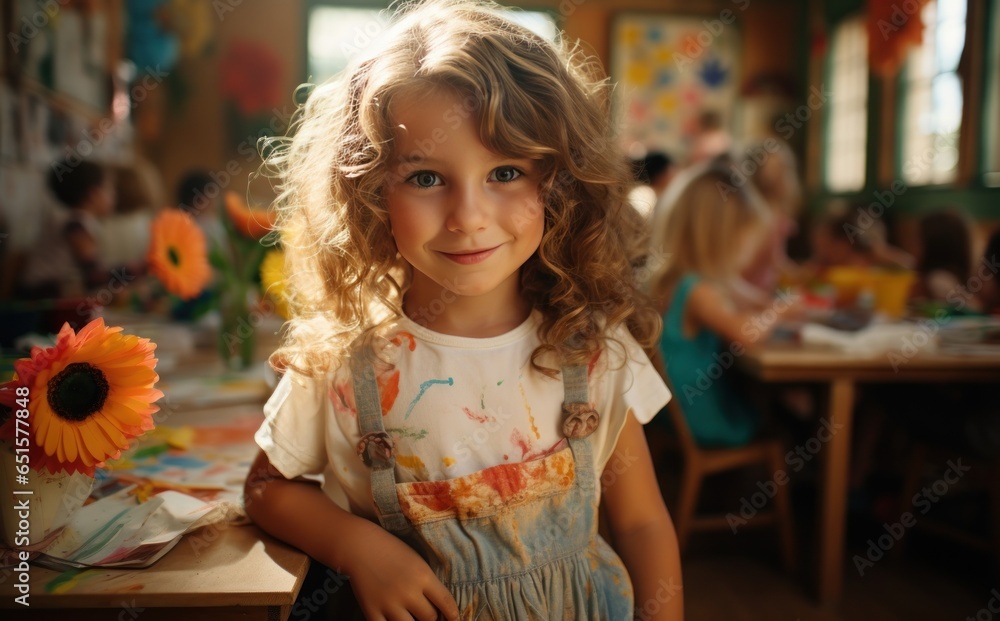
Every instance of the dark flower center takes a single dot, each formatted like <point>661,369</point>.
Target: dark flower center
<point>78,391</point>
<point>173,256</point>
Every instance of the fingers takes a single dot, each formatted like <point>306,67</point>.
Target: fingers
<point>420,611</point>
<point>424,610</point>
<point>441,597</point>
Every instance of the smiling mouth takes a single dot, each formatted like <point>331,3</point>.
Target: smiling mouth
<point>469,258</point>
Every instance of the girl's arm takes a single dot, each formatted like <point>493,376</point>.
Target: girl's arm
<point>707,307</point>
<point>389,579</point>
<point>641,529</point>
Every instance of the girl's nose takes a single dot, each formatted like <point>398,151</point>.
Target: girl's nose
<point>470,211</point>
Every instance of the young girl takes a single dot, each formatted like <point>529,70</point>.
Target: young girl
<point>944,257</point>
<point>465,365</point>
<point>711,235</point>
<point>66,261</point>
<point>853,239</point>
<point>776,180</point>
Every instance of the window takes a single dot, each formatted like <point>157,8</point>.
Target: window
<point>931,97</point>
<point>991,111</point>
<point>847,115</point>
<point>337,34</point>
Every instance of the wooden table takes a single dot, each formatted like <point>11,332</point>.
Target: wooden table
<point>241,573</point>
<point>216,572</point>
<point>843,371</point>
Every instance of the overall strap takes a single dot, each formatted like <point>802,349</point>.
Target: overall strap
<point>376,448</point>
<point>579,421</point>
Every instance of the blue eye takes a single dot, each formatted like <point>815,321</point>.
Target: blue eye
<point>505,174</point>
<point>424,179</point>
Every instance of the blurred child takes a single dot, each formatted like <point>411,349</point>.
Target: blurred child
<point>652,175</point>
<point>776,179</point>
<point>125,234</point>
<point>854,239</point>
<point>66,260</point>
<point>944,261</point>
<point>708,239</point>
<point>199,195</point>
<point>989,294</point>
<point>711,139</point>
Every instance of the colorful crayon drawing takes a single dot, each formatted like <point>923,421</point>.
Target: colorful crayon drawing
<point>668,70</point>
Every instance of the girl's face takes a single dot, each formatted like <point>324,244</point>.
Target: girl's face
<point>102,198</point>
<point>464,217</point>
<point>748,246</point>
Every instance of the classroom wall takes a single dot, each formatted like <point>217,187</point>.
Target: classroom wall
<point>777,38</point>
<point>194,131</point>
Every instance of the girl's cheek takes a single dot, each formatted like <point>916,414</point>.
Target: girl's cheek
<point>747,249</point>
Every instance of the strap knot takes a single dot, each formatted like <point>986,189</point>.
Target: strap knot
<point>580,420</point>
<point>376,449</point>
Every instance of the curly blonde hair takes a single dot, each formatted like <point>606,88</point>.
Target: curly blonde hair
<point>533,99</point>
<point>702,226</point>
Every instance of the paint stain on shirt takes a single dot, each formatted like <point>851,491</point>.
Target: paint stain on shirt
<point>411,343</point>
<point>407,432</point>
<point>423,388</point>
<point>527,408</point>
<point>388,390</point>
<point>479,417</point>
<point>414,463</point>
<point>521,441</point>
<point>593,362</point>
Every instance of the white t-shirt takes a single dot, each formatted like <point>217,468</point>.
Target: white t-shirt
<point>453,405</point>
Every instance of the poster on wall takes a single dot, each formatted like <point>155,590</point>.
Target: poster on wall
<point>668,70</point>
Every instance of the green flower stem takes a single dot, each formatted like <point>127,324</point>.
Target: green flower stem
<point>237,261</point>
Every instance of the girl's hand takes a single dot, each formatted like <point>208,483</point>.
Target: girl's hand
<point>793,309</point>
<point>392,582</point>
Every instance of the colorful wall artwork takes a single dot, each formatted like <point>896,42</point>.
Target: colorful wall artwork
<point>668,70</point>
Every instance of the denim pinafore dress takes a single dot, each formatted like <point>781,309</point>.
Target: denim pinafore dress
<point>514,542</point>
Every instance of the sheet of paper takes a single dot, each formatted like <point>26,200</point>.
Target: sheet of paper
<point>120,531</point>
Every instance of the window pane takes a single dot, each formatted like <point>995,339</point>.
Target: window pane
<point>337,34</point>
<point>951,10</point>
<point>845,144</point>
<point>991,110</point>
<point>946,101</point>
<point>931,97</point>
<point>537,22</point>
<point>950,41</point>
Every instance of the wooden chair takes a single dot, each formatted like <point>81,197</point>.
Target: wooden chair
<point>984,475</point>
<point>700,462</point>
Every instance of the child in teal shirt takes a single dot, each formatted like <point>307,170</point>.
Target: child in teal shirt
<point>709,232</point>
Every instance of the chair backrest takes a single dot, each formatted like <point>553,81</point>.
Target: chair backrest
<point>688,444</point>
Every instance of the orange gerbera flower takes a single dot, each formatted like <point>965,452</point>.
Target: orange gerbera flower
<point>177,254</point>
<point>87,397</point>
<point>252,222</point>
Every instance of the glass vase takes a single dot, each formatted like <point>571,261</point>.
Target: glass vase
<point>236,330</point>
